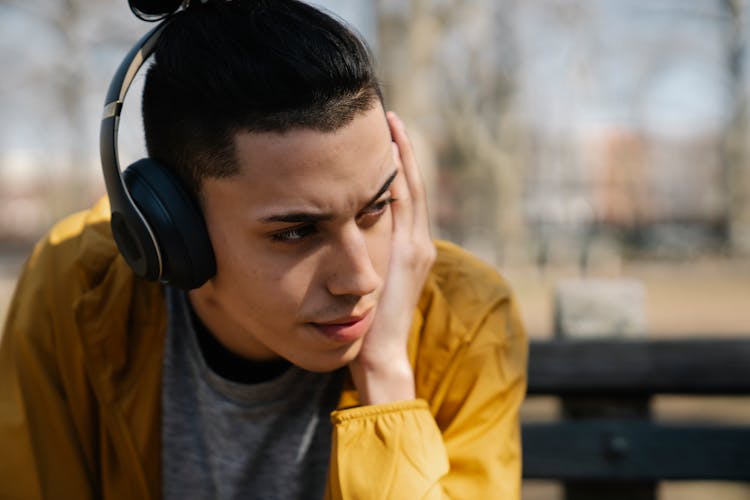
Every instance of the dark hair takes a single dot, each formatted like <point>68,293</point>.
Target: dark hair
<point>223,67</point>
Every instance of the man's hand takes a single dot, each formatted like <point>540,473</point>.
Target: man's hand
<point>381,372</point>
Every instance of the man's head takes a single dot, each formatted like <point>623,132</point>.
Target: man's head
<point>271,113</point>
<point>223,67</point>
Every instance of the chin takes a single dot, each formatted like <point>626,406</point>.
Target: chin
<point>331,360</point>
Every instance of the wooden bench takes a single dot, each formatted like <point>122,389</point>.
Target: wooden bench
<point>606,446</point>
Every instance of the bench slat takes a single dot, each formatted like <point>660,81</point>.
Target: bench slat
<point>622,367</point>
<point>632,450</point>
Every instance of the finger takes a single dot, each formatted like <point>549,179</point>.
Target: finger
<point>403,213</point>
<point>398,132</point>
<point>411,171</point>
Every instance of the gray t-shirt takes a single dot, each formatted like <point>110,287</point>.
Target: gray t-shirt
<point>226,440</point>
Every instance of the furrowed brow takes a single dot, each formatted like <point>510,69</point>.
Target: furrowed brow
<point>383,188</point>
<point>311,218</point>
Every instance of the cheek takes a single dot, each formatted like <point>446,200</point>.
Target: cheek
<point>263,284</point>
<point>379,244</point>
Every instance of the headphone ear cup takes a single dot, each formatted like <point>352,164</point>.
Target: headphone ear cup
<point>134,240</point>
<point>175,221</point>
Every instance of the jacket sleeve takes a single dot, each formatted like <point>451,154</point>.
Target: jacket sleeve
<point>462,444</point>
<point>42,456</point>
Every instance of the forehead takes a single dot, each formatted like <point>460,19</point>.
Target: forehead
<point>307,167</point>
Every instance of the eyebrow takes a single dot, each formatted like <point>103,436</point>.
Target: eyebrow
<point>305,217</point>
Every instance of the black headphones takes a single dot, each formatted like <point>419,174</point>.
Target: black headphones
<point>157,225</point>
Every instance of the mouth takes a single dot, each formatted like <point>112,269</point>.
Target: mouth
<point>346,329</point>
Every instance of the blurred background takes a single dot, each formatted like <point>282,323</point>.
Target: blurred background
<point>559,139</point>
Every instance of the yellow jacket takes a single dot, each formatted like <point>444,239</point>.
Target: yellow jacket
<point>80,384</point>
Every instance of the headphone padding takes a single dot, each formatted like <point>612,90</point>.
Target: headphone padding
<point>175,220</point>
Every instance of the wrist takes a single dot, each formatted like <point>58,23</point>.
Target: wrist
<point>385,383</point>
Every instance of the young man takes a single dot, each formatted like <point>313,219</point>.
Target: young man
<point>335,352</point>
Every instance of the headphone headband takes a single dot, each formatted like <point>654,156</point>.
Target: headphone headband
<point>115,97</point>
<point>119,197</point>
<point>128,68</point>
<point>156,222</point>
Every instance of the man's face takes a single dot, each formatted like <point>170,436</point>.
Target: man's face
<point>302,238</point>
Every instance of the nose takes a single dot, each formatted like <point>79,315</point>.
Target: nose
<point>352,271</point>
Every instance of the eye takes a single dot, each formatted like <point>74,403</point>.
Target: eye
<point>294,234</point>
<point>372,214</point>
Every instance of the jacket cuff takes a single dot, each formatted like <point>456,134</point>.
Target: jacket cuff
<point>369,411</point>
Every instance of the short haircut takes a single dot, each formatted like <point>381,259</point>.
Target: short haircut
<point>224,67</point>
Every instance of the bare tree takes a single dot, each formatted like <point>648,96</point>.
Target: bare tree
<point>737,162</point>
<point>82,42</point>
<point>448,68</point>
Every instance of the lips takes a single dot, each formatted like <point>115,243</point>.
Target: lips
<point>346,329</point>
